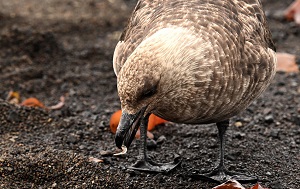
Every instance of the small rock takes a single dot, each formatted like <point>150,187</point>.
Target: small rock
<point>8,169</point>
<point>276,185</point>
<point>296,118</point>
<point>94,117</point>
<point>230,157</point>
<point>102,124</point>
<point>281,91</point>
<point>151,144</point>
<point>238,124</point>
<point>268,173</point>
<point>293,143</point>
<point>86,114</point>
<point>70,169</point>
<point>274,133</point>
<point>161,139</point>
<point>294,83</point>
<point>127,175</point>
<point>267,111</point>
<point>13,116</point>
<point>81,147</point>
<point>73,138</point>
<point>269,119</point>
<point>54,185</point>
<point>240,135</point>
<point>13,138</point>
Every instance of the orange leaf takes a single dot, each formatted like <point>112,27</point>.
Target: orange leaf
<point>257,186</point>
<point>286,63</point>
<point>149,134</point>
<point>230,184</point>
<point>114,121</point>
<point>32,102</point>
<point>153,121</point>
<point>13,97</point>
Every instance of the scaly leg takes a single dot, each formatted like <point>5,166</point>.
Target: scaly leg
<point>144,163</point>
<point>220,173</point>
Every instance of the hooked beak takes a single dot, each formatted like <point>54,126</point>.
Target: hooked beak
<point>128,127</point>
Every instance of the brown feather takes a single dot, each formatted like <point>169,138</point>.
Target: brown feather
<point>211,58</point>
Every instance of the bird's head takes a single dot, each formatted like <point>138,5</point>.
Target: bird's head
<point>139,88</point>
<point>156,78</point>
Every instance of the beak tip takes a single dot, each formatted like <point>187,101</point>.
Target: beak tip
<point>119,141</point>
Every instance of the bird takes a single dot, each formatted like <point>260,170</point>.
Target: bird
<point>191,62</point>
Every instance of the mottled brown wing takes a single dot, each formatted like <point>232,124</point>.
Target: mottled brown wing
<point>245,20</point>
<point>255,23</point>
<point>151,15</point>
<point>131,36</point>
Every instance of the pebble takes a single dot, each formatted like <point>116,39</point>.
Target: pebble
<point>81,147</point>
<point>161,139</point>
<point>151,144</point>
<point>239,135</point>
<point>268,173</point>
<point>276,185</point>
<point>267,111</point>
<point>274,133</point>
<point>73,138</point>
<point>54,185</point>
<point>13,116</point>
<point>269,119</point>
<point>238,124</point>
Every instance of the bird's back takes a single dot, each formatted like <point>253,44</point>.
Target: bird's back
<point>243,20</point>
<point>238,31</point>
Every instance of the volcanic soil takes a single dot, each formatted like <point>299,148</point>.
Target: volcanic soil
<point>54,48</point>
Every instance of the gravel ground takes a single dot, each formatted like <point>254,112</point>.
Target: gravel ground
<point>64,48</point>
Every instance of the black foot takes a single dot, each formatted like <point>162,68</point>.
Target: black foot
<point>222,175</point>
<point>151,166</point>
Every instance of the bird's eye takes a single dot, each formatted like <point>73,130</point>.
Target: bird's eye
<point>147,91</point>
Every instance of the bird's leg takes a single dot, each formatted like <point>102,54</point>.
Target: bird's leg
<point>144,163</point>
<point>220,173</point>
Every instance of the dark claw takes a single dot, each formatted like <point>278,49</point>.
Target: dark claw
<point>151,166</point>
<point>221,175</point>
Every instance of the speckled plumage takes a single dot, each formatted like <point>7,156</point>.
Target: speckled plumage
<point>207,59</point>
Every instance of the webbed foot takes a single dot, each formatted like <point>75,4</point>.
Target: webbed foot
<point>220,175</point>
<point>150,166</point>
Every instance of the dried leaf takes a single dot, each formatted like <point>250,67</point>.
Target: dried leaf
<point>13,97</point>
<point>114,121</point>
<point>230,184</point>
<point>287,63</point>
<point>149,134</point>
<point>95,160</point>
<point>293,12</point>
<point>152,123</point>
<point>32,102</point>
<point>257,186</point>
<point>59,105</point>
